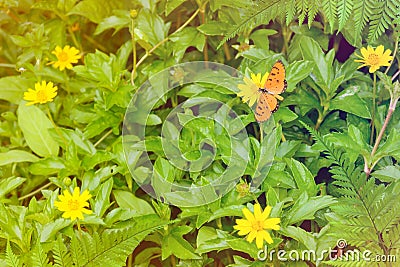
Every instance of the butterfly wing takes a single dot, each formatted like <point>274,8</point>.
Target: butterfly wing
<point>276,83</point>
<point>265,106</point>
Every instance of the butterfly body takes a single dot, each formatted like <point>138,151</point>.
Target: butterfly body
<point>274,85</point>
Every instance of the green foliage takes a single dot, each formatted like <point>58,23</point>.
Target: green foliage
<point>379,15</point>
<point>368,211</point>
<point>75,140</point>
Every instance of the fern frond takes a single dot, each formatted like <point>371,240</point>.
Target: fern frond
<point>76,252</point>
<point>302,9</point>
<point>62,258</point>
<point>363,9</point>
<point>367,211</point>
<point>330,11</point>
<point>290,11</point>
<point>113,246</point>
<point>39,257</point>
<point>382,18</point>
<point>313,8</point>
<point>345,7</point>
<point>258,14</point>
<point>11,259</point>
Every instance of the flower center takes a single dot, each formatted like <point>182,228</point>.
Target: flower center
<point>41,96</point>
<point>373,59</point>
<point>257,225</point>
<point>73,204</point>
<point>62,56</point>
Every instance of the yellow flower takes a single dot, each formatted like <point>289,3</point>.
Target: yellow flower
<point>44,92</point>
<point>65,57</point>
<point>374,58</point>
<point>74,205</point>
<point>249,91</point>
<point>255,225</point>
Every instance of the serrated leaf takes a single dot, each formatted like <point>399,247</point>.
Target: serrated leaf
<point>9,184</point>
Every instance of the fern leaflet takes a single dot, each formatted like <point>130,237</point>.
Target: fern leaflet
<point>11,259</point>
<point>60,254</point>
<point>258,14</point>
<point>344,10</point>
<point>382,18</point>
<point>329,8</point>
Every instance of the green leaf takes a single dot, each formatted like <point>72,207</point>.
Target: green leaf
<point>304,208</point>
<point>10,225</point>
<point>9,184</point>
<point>128,200</point>
<point>170,5</point>
<point>151,27</point>
<point>39,257</point>
<point>15,156</point>
<point>299,234</point>
<point>296,72</point>
<point>102,200</point>
<point>391,147</point>
<point>35,126</point>
<point>260,37</point>
<point>349,101</point>
<point>113,246</point>
<point>175,244</point>
<point>344,10</point>
<point>303,177</point>
<point>388,174</point>
<point>11,259</point>
<point>213,28</point>
<point>96,10</point>
<point>62,257</point>
<point>284,115</point>
<point>117,22</point>
<point>188,37</point>
<point>13,88</point>
<point>322,71</point>
<point>51,229</point>
<point>47,166</point>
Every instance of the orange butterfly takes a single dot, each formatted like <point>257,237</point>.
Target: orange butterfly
<point>275,85</point>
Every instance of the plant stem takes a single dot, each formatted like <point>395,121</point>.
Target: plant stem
<point>227,52</point>
<point>261,133</point>
<point>163,41</point>
<point>74,40</point>
<point>203,21</point>
<point>94,42</point>
<point>396,45</point>
<point>130,258</point>
<point>371,139</point>
<point>395,75</point>
<point>392,107</point>
<point>103,137</point>
<point>133,51</point>
<point>5,65</point>
<point>34,192</point>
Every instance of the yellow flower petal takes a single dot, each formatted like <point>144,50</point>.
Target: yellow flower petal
<point>249,216</point>
<point>249,91</point>
<point>43,93</point>
<point>374,58</point>
<point>65,57</point>
<point>255,225</point>
<point>74,205</point>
